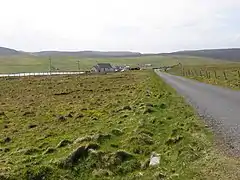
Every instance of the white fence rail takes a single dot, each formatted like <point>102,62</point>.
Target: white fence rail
<point>40,74</point>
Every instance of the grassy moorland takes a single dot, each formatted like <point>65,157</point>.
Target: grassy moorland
<point>13,64</point>
<point>103,127</point>
<point>227,75</point>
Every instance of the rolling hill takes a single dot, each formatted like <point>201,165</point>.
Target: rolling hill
<point>8,52</point>
<point>90,54</point>
<point>224,54</point>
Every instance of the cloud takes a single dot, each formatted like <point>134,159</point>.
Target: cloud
<point>138,25</point>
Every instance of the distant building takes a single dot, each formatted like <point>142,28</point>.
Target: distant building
<point>118,68</point>
<point>103,67</point>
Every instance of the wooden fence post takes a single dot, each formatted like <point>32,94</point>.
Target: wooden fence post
<point>209,75</point>
<point>196,72</point>
<point>225,75</point>
<point>215,72</point>
<point>200,72</point>
<point>206,72</point>
<point>190,72</point>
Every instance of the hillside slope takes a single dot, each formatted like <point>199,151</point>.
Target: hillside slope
<point>89,54</point>
<point>225,54</point>
<point>7,52</point>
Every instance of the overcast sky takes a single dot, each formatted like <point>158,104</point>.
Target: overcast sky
<point>132,25</point>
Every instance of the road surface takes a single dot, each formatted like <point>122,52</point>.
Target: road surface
<point>220,107</point>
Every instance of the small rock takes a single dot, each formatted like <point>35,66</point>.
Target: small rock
<point>117,132</point>
<point>61,118</point>
<point>83,139</point>
<point>63,143</point>
<point>49,151</point>
<point>155,159</point>
<point>32,126</point>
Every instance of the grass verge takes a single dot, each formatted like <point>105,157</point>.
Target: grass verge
<point>227,75</point>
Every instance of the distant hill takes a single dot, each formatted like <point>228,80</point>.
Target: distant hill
<point>8,52</point>
<point>224,54</point>
<point>90,54</point>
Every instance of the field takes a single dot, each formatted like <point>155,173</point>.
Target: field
<point>227,75</point>
<point>104,127</point>
<point>13,64</point>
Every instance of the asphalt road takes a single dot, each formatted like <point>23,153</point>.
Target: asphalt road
<point>220,107</point>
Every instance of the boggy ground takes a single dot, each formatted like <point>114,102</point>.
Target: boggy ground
<point>103,127</point>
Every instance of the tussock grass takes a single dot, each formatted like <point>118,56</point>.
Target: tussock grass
<point>100,127</point>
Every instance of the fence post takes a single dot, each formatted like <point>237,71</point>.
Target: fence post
<point>192,72</point>
<point>215,72</point>
<point>238,74</point>
<point>206,72</point>
<point>200,72</point>
<point>183,74</point>
<point>225,75</point>
<point>209,75</point>
<point>196,72</point>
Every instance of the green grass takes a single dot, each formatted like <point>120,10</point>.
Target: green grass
<point>135,112</point>
<point>227,75</point>
<point>14,64</point>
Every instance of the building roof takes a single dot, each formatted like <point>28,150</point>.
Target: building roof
<point>103,65</point>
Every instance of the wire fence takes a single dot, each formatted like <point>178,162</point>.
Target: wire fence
<point>217,74</point>
<point>40,74</point>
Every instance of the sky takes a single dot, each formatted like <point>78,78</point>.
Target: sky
<point>147,26</point>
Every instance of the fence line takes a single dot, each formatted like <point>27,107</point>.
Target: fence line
<point>40,74</point>
<point>209,73</point>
